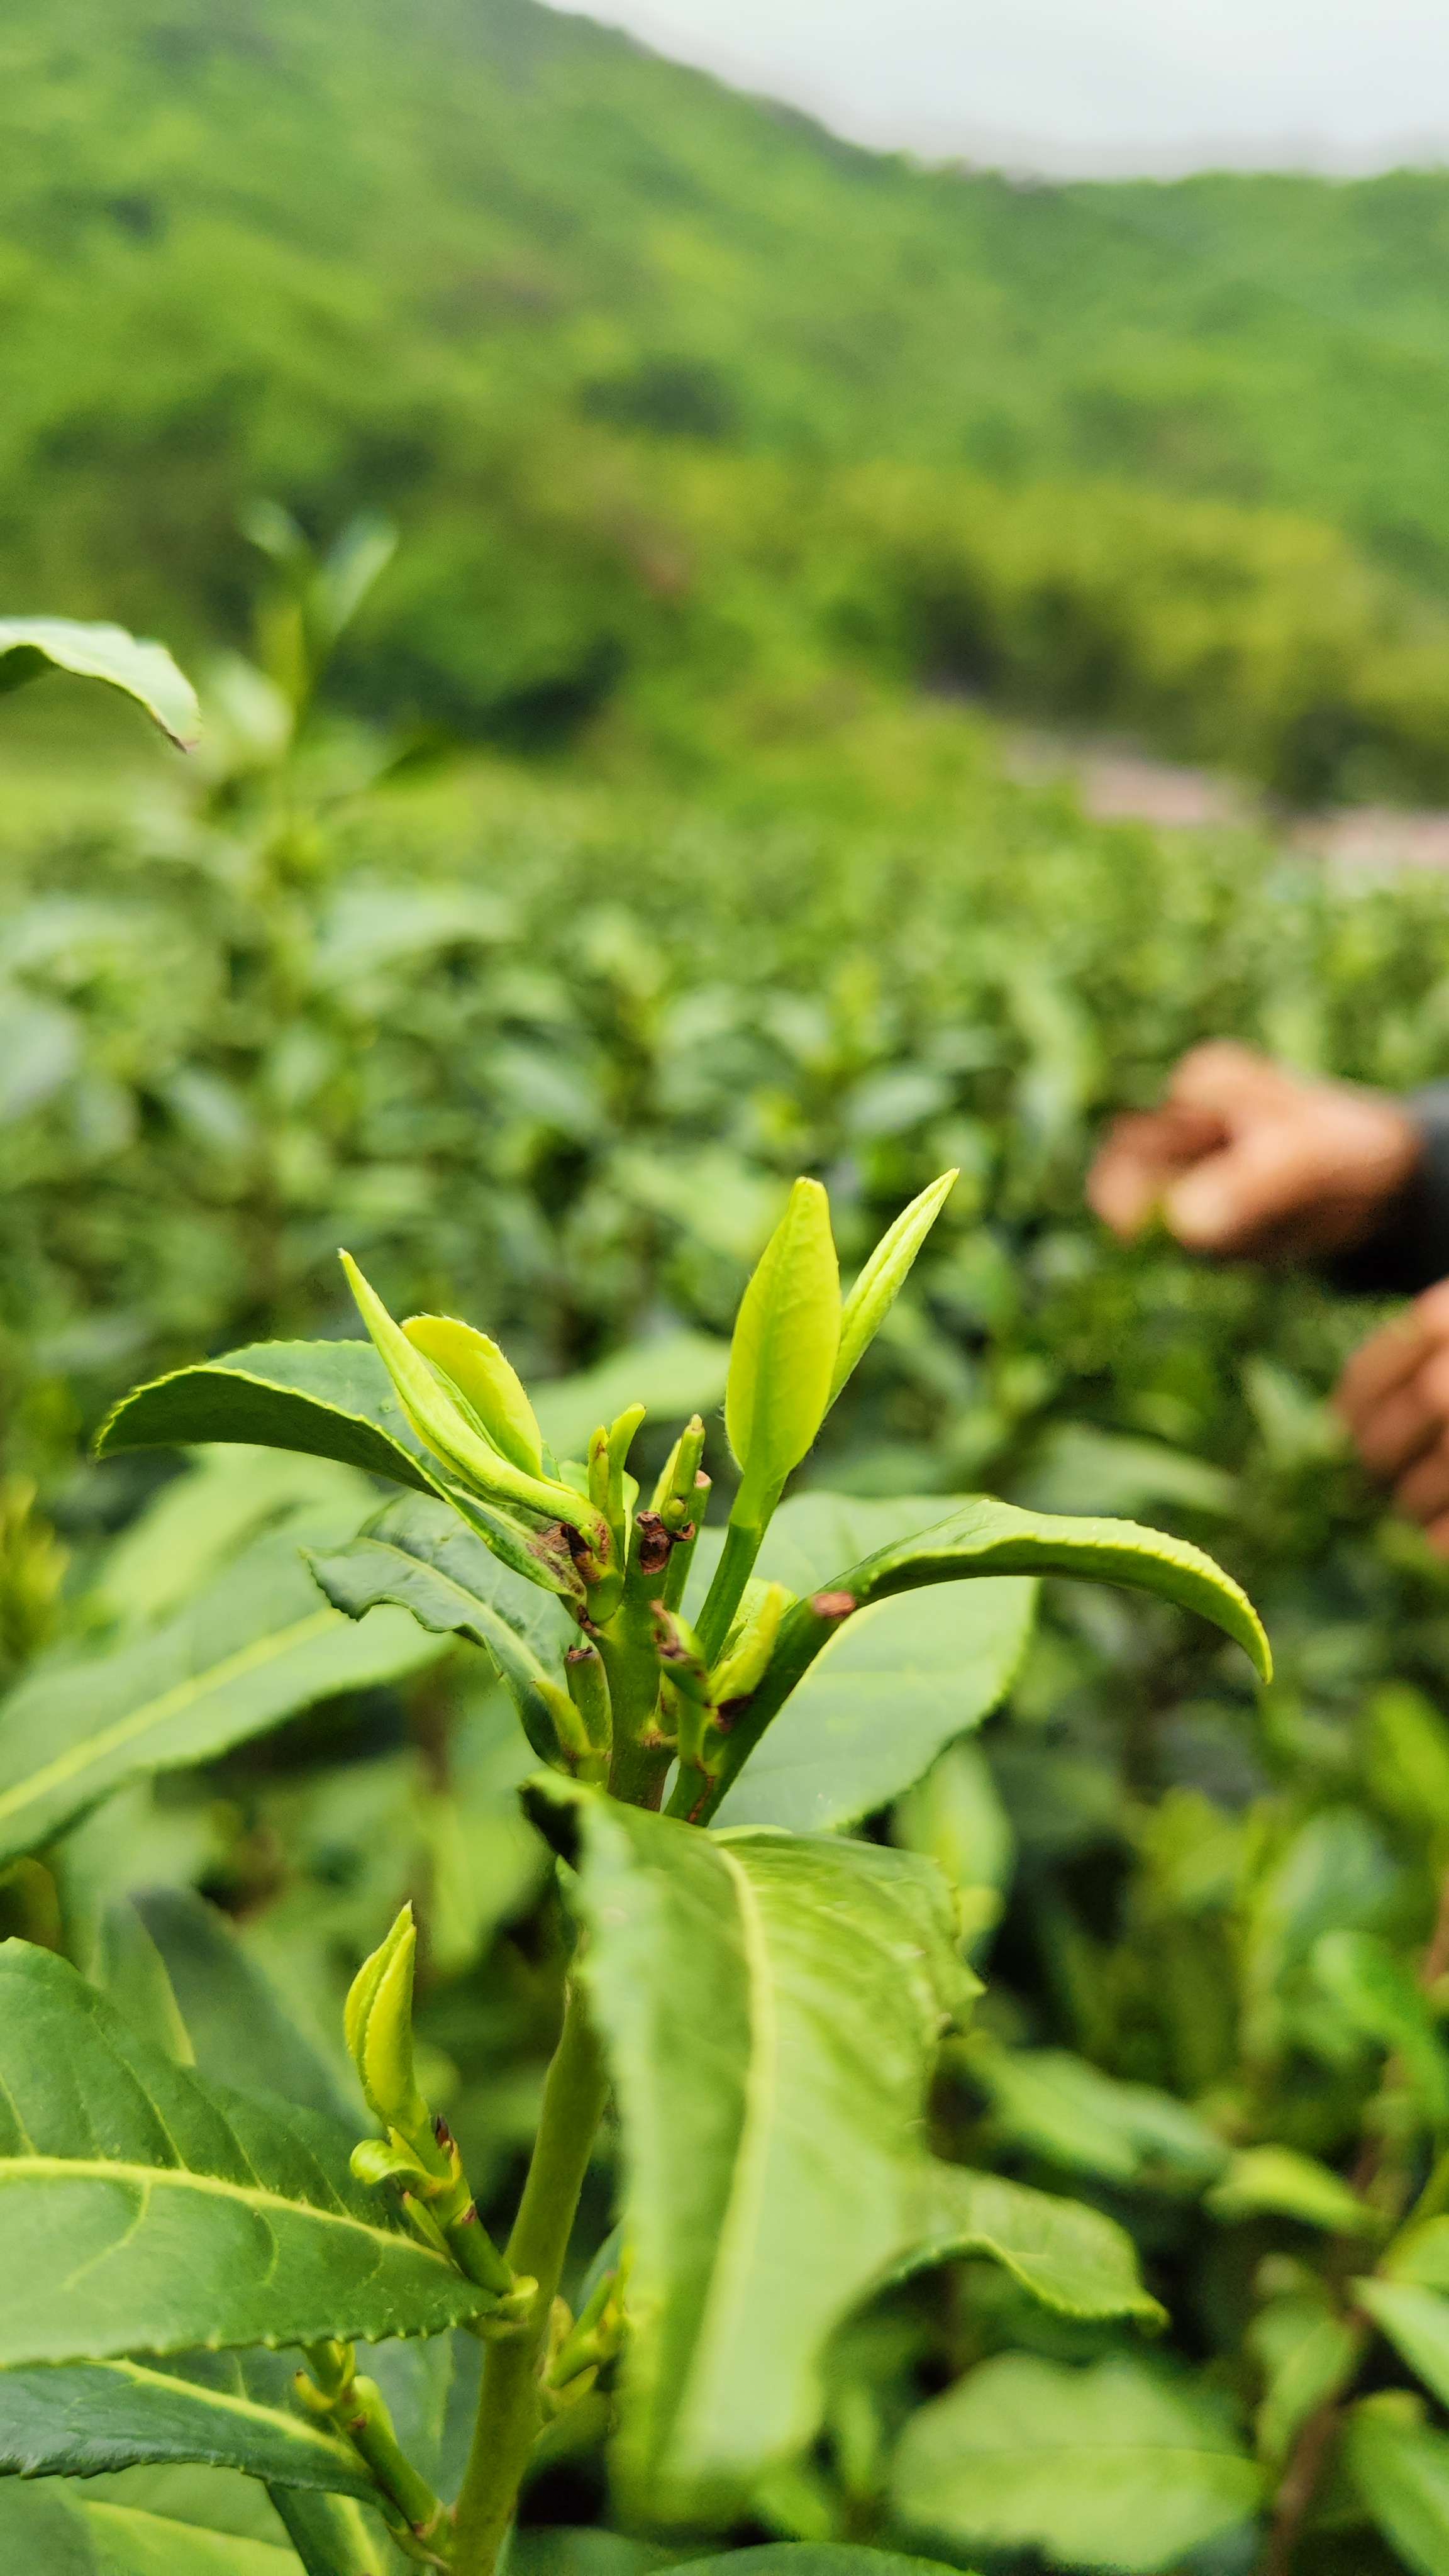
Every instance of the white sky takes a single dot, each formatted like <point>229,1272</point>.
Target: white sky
<point>1088,85</point>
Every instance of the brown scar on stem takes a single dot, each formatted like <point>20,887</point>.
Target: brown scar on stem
<point>833,1605</point>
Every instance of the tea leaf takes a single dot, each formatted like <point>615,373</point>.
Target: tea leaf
<point>30,646</point>
<point>146,2211</point>
<point>1401,2470</point>
<point>1112,2467</point>
<point>333,1399</point>
<point>101,2415</point>
<point>884,1276</point>
<point>772,2008</point>
<point>65,2533</point>
<point>253,1647</point>
<point>420,1556</point>
<point>986,1537</point>
<point>782,1358</point>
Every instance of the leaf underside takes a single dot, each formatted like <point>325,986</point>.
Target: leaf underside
<point>31,646</point>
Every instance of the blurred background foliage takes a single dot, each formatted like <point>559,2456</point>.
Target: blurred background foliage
<point>639,833</point>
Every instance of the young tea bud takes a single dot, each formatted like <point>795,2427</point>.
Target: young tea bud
<point>884,1276</point>
<point>378,2022</point>
<point>487,1383</point>
<point>454,1435</point>
<point>782,1358</point>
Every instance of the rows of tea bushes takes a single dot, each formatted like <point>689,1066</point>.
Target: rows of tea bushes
<point>546,1049</point>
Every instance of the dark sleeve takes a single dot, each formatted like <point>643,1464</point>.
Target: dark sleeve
<point>1409,1249</point>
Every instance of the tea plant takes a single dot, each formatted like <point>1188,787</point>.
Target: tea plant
<point>764,2007</point>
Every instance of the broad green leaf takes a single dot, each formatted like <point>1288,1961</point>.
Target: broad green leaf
<point>332,1399</point>
<point>99,2415</point>
<point>31,646</point>
<point>679,1374</point>
<point>1065,2109</point>
<point>1401,2470</point>
<point>235,2023</point>
<point>896,1684</point>
<point>1379,1998</point>
<point>884,1276</point>
<point>816,2558</point>
<point>420,1556</point>
<point>1293,2186</point>
<point>203,1518</point>
<point>56,2530</point>
<point>782,1356</point>
<point>986,1537</point>
<point>1076,1468</point>
<point>1067,2255</point>
<point>1113,2467</point>
<point>771,2007</point>
<point>254,1647</point>
<point>956,1817</point>
<point>890,1689</point>
<point>1416,2322</point>
<point>145,2211</point>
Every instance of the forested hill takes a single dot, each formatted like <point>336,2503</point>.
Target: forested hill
<point>443,256</point>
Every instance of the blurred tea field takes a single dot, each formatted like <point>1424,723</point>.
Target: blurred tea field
<point>652,841</point>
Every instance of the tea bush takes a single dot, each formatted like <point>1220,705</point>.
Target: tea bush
<point>547,1049</point>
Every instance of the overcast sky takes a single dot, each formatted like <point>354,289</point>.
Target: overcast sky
<point>1088,85</point>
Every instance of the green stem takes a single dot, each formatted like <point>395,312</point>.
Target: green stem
<point>741,1547</point>
<point>509,2407</point>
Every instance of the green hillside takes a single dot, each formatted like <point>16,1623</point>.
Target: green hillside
<point>474,262</point>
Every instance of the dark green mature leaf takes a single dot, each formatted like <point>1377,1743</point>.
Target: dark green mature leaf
<point>332,1399</point>
<point>31,646</point>
<point>1112,2467</point>
<point>145,2211</point>
<point>584,2553</point>
<point>100,2415</point>
<point>986,1537</point>
<point>252,1648</point>
<point>892,1687</point>
<point>57,2530</point>
<point>420,1556</point>
<point>772,2008</point>
<point>233,2018</point>
<point>1401,2470</point>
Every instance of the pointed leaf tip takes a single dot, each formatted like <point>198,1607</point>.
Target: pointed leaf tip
<point>885,1275</point>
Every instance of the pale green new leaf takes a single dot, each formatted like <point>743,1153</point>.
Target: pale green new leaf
<point>1416,2322</point>
<point>31,646</point>
<point>884,1276</point>
<point>892,1687</point>
<point>782,1357</point>
<point>986,1537</point>
<point>420,1556</point>
<point>1401,2471</point>
<point>57,2530</point>
<point>487,1380</point>
<point>144,2211</point>
<point>255,1646</point>
<point>103,2415</point>
<point>771,2007</point>
<point>1112,2467</point>
<point>1421,2254</point>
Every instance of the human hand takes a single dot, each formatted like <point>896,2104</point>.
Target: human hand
<point>1394,1396</point>
<point>1244,1157</point>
